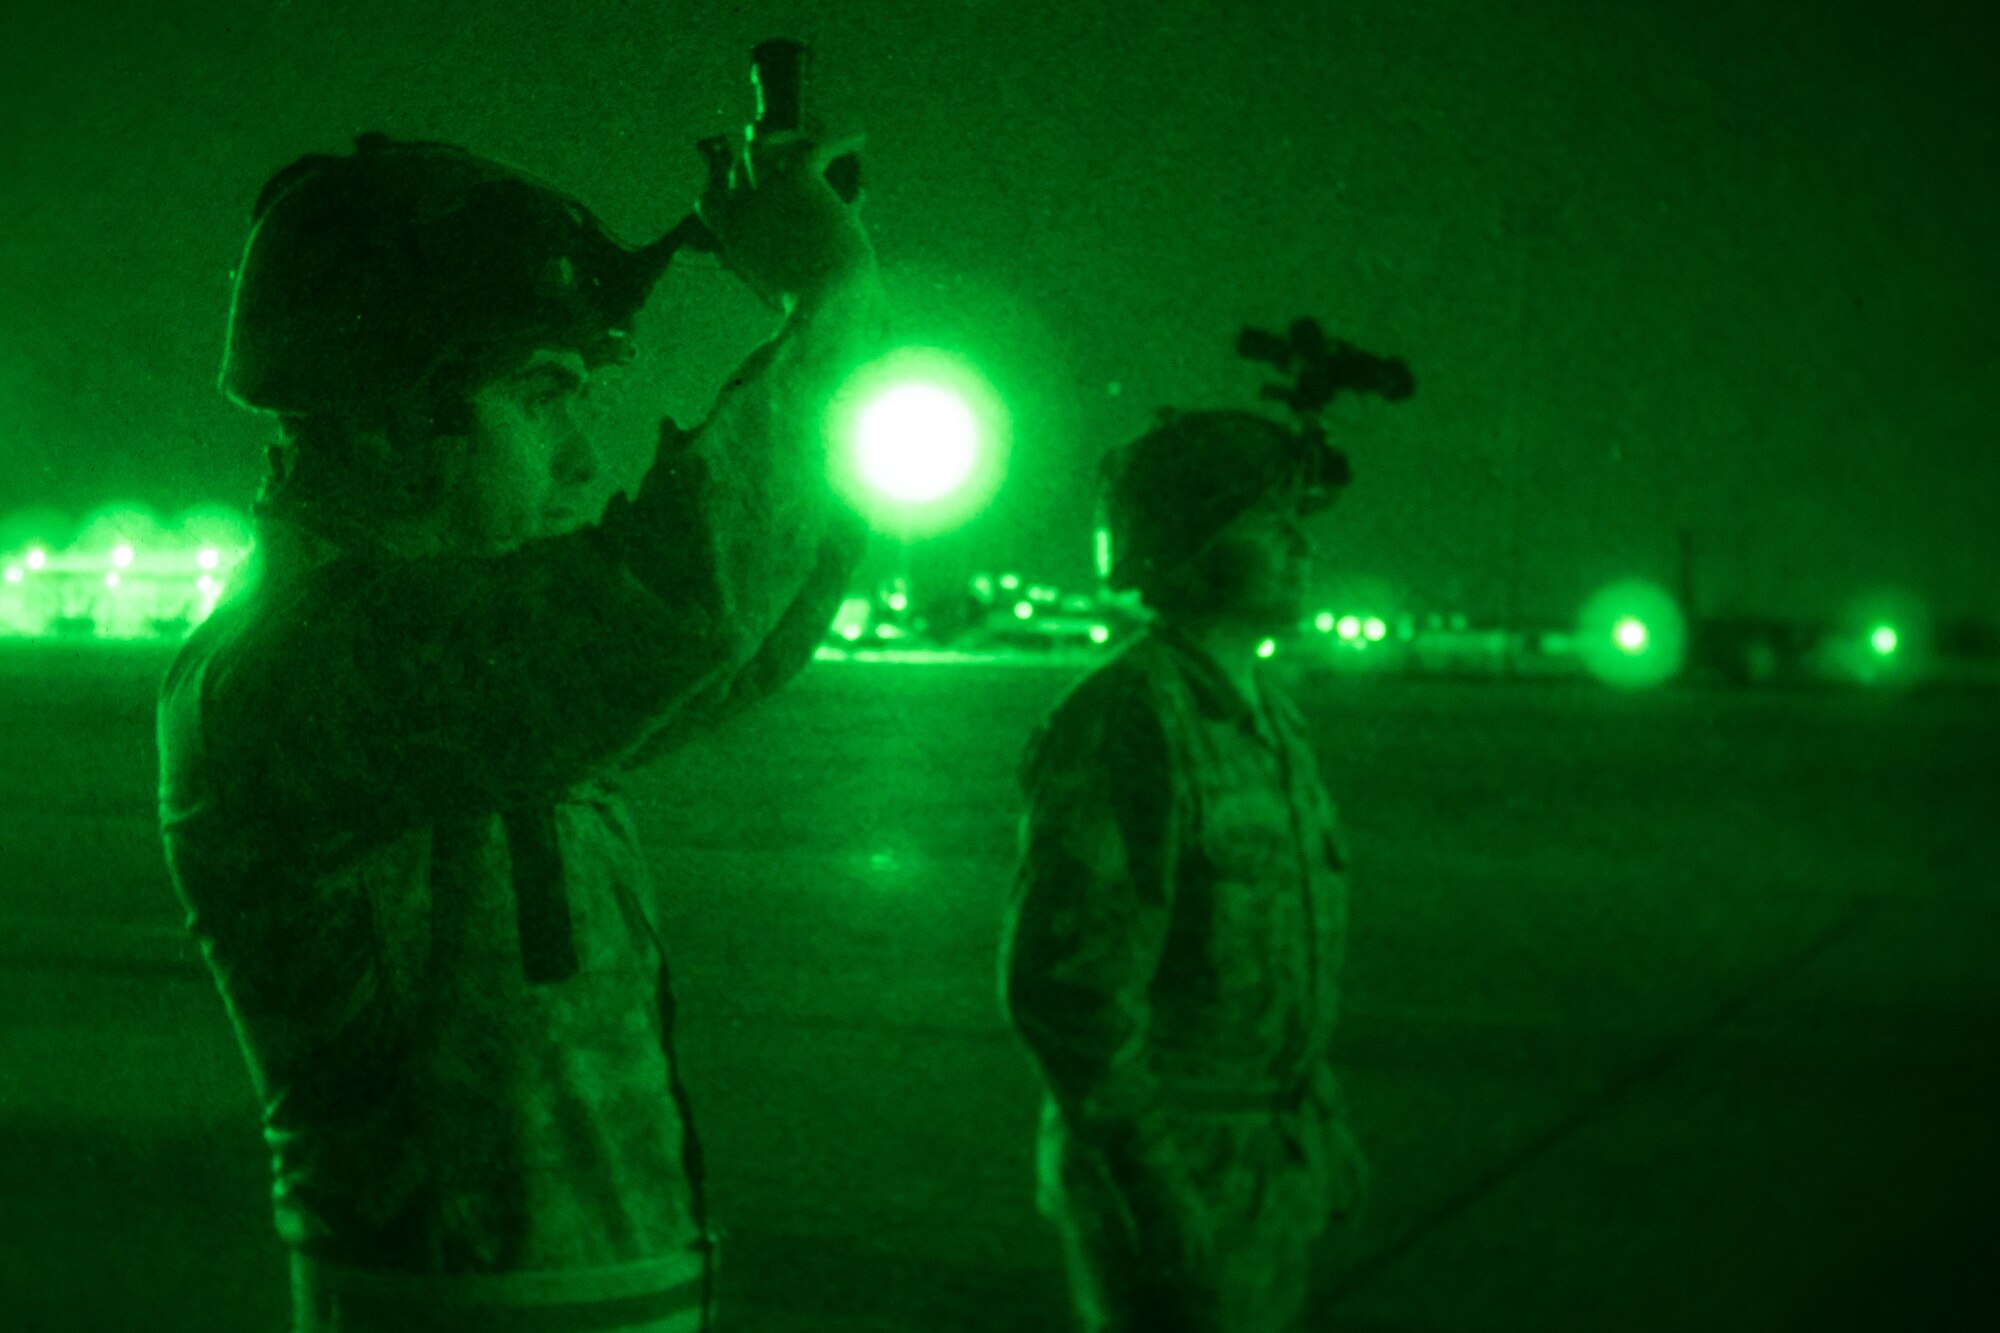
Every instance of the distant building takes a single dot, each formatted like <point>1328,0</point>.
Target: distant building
<point>121,574</point>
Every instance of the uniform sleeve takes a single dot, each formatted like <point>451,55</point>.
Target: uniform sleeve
<point>782,545</point>
<point>769,513</point>
<point>1093,896</point>
<point>398,689</point>
<point>782,655</point>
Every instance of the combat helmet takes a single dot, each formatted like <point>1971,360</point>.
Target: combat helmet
<point>1165,495</point>
<point>365,272</point>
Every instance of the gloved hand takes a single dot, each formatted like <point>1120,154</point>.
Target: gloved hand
<point>779,225</point>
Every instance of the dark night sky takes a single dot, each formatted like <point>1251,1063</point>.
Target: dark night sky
<point>1726,265</point>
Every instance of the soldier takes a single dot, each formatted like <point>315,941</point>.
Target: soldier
<point>391,764</point>
<point>1175,942</point>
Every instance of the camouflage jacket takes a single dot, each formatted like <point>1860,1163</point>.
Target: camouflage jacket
<point>1180,911</point>
<point>390,803</point>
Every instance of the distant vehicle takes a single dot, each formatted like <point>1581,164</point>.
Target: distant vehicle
<point>1052,632</point>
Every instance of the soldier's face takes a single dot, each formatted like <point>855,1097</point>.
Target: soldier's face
<point>1260,566</point>
<point>528,465</point>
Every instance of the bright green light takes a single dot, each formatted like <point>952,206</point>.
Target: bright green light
<point>1023,610</point>
<point>37,557</point>
<point>206,583</point>
<point>921,441</point>
<point>1883,640</point>
<point>850,632</point>
<point>121,556</point>
<point>14,574</point>
<point>917,443</point>
<point>1323,622</point>
<point>209,557</point>
<point>1099,634</point>
<point>1374,629</point>
<point>898,601</point>
<point>111,579</point>
<point>1010,581</point>
<point>1266,648</point>
<point>1631,634</point>
<point>1350,627</point>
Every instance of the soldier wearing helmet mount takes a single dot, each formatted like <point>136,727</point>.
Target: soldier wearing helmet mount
<point>1174,948</point>
<point>391,763</point>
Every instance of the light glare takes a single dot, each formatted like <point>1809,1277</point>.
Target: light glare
<point>918,443</point>
<point>1632,634</point>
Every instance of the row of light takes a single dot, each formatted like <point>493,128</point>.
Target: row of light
<point>113,579</point>
<point>1632,637</point>
<point>1352,628</point>
<point>208,559</point>
<point>122,556</point>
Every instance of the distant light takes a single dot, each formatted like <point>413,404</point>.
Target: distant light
<point>14,574</point>
<point>206,583</point>
<point>1266,648</point>
<point>850,632</point>
<point>111,579</point>
<point>918,442</point>
<point>1883,640</point>
<point>1374,629</point>
<point>37,558</point>
<point>121,556</point>
<point>1099,634</point>
<point>898,601</point>
<point>1632,634</point>
<point>1023,610</point>
<point>1350,627</point>
<point>1010,581</point>
<point>209,557</point>
<point>1101,544</point>
<point>921,440</point>
<point>1323,622</point>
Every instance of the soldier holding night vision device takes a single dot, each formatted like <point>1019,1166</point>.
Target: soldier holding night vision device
<point>391,760</point>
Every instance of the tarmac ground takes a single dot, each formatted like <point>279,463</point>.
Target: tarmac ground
<point>1668,1011</point>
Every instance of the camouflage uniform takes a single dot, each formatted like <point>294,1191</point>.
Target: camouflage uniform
<point>1171,961</point>
<point>390,801</point>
